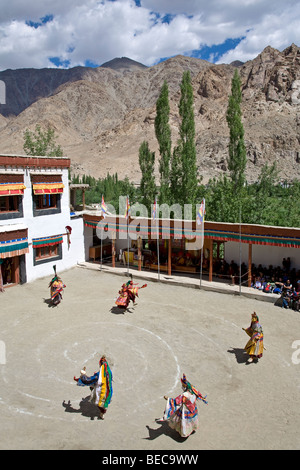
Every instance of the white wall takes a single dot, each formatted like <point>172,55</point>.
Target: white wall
<point>49,225</point>
<point>88,241</point>
<point>262,254</point>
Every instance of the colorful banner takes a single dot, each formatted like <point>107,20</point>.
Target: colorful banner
<point>128,209</point>
<point>201,213</point>
<point>16,247</point>
<point>103,207</point>
<point>47,188</point>
<point>12,189</point>
<point>47,241</point>
<point>180,231</point>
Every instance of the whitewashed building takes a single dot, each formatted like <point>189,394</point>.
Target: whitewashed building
<point>36,228</point>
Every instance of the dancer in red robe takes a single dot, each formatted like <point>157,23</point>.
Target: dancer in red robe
<point>127,293</point>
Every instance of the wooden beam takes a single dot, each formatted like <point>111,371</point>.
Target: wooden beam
<point>210,260</point>
<point>113,252</point>
<point>170,256</point>
<point>139,246</point>
<point>249,264</point>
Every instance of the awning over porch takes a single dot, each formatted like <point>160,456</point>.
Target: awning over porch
<point>13,241</point>
<point>11,184</point>
<point>47,184</point>
<point>145,228</point>
<point>287,237</point>
<point>47,241</point>
<point>219,231</point>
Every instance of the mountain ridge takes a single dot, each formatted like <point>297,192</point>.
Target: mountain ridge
<point>102,115</point>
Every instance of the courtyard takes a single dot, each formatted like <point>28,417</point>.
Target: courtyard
<point>172,330</point>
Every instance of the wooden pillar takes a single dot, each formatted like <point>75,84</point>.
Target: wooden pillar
<point>210,260</point>
<point>73,198</point>
<point>1,278</point>
<point>83,199</point>
<point>170,256</point>
<point>139,247</point>
<point>16,270</point>
<point>113,252</point>
<point>249,264</point>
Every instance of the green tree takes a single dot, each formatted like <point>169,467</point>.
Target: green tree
<point>237,152</point>
<point>147,185</point>
<point>220,201</point>
<point>291,204</point>
<point>163,135</point>
<point>42,143</point>
<point>176,175</point>
<point>110,187</point>
<point>184,155</point>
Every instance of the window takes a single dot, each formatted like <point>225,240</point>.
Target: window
<point>218,250</point>
<point>9,204</point>
<point>11,194</point>
<point>47,249</point>
<point>46,252</point>
<point>46,201</point>
<point>47,191</point>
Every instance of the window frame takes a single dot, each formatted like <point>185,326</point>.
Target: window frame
<point>17,212</point>
<point>47,254</point>
<point>54,209</point>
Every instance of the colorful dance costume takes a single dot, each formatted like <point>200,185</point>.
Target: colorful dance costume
<point>56,288</point>
<point>100,384</point>
<point>181,412</point>
<point>255,345</point>
<point>127,293</point>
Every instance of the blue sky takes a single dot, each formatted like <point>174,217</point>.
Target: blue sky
<point>56,33</point>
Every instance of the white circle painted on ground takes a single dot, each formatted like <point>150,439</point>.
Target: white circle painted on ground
<point>143,365</point>
<point>132,361</point>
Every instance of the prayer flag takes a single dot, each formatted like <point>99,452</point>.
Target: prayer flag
<point>103,207</point>
<point>201,213</point>
<point>127,210</point>
<point>154,210</point>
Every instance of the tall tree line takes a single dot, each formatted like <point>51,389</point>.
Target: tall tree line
<point>228,198</point>
<point>177,168</point>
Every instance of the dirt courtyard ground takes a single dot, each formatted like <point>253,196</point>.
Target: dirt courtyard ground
<point>172,330</point>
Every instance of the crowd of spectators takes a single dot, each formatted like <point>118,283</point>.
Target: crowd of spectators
<point>282,280</point>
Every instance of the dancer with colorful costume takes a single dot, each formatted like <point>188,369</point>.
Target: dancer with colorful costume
<point>100,384</point>
<point>56,288</point>
<point>127,293</point>
<point>255,345</point>
<point>181,412</point>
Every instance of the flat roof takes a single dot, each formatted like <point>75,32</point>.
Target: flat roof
<point>29,161</point>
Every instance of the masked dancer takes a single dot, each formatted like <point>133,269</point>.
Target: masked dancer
<point>181,412</point>
<point>100,385</point>
<point>56,288</point>
<point>255,345</point>
<point>127,293</point>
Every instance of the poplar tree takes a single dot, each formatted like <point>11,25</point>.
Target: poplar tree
<point>176,176</point>
<point>163,136</point>
<point>185,165</point>
<point>236,152</point>
<point>147,185</point>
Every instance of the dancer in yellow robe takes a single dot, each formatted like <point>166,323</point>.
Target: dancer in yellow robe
<point>255,345</point>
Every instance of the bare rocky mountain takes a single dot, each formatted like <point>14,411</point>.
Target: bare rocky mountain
<point>102,115</point>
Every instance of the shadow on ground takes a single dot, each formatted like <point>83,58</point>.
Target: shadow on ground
<point>86,408</point>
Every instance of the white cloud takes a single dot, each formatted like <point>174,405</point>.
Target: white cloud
<point>285,30</point>
<point>99,31</point>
